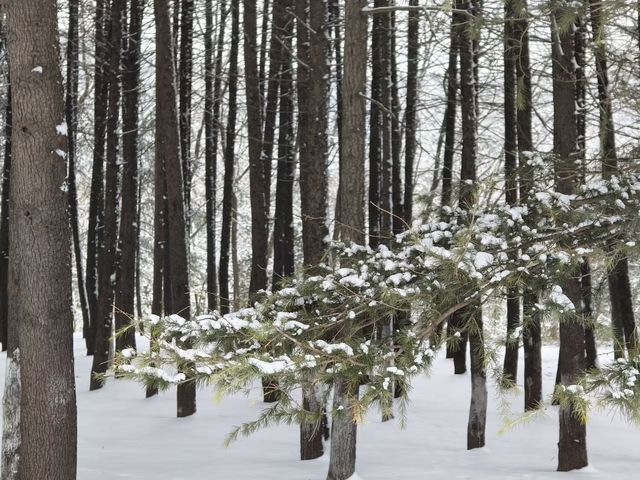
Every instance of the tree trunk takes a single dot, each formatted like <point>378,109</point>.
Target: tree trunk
<point>185,71</point>
<point>510,370</point>
<point>350,221</point>
<point>168,149</point>
<point>213,93</point>
<point>108,258</point>
<point>225,241</point>
<point>410,122</point>
<point>572,448</point>
<point>313,92</point>
<point>127,241</point>
<point>71,116</point>
<point>257,179</point>
<point>96,205</point>
<point>478,408</point>
<point>40,247</point>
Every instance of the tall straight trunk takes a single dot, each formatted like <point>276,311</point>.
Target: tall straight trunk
<point>96,206</point>
<point>581,129</point>
<point>262,66</point>
<point>450,119</point>
<point>336,40</point>
<point>185,71</point>
<point>620,295</point>
<point>229,153</point>
<point>572,448</point>
<point>385,124</point>
<point>313,97</point>
<point>213,92</point>
<point>375,130</point>
<point>283,255</point>
<point>257,178</point>
<point>127,239</point>
<point>167,141</point>
<point>40,247</point>
<point>108,256</point>
<point>71,116</point>
<point>397,198</point>
<point>470,318</point>
<point>410,121</point>
<point>510,370</point>
<point>350,221</point>
<point>531,316</point>
<point>4,227</point>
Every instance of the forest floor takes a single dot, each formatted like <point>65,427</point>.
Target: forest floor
<point>122,435</point>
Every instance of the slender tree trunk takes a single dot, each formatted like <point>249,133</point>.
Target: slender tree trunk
<point>71,116</point>
<point>127,241</point>
<point>336,30</point>
<point>96,207</point>
<point>410,121</point>
<point>168,149</point>
<point>313,93</point>
<point>108,257</point>
<point>225,241</point>
<point>510,370</point>
<point>40,248</point>
<point>262,67</point>
<point>572,448</point>
<point>257,178</point>
<point>350,221</point>
<point>397,198</point>
<point>185,71</point>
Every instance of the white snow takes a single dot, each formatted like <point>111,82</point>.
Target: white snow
<point>37,70</point>
<point>62,129</point>
<point>122,435</point>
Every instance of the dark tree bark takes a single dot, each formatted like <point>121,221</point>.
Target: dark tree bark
<point>283,255</point>
<point>450,119</point>
<point>262,67</point>
<point>257,178</point>
<point>336,40</point>
<point>71,116</point>
<point>350,221</point>
<point>225,241</point>
<point>469,319</point>
<point>96,206</point>
<point>213,100</point>
<point>572,448</point>
<point>108,257</point>
<point>531,333</point>
<point>168,149</point>
<point>510,369</point>
<point>397,198</point>
<point>127,239</point>
<point>313,92</point>
<point>185,71</point>
<point>4,227</point>
<point>40,247</point>
<point>410,122</point>
<point>622,314</point>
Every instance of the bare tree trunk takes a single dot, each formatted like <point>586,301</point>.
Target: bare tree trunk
<point>313,92</point>
<point>185,72</point>
<point>108,258</point>
<point>96,207</point>
<point>572,448</point>
<point>40,248</point>
<point>510,370</point>
<point>350,221</point>
<point>127,241</point>
<point>225,241</point>
<point>4,228</point>
<point>168,149</point>
<point>410,122</point>
<point>71,116</point>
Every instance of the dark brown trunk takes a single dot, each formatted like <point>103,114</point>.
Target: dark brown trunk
<point>108,258</point>
<point>127,241</point>
<point>229,153</point>
<point>40,247</point>
<point>313,91</point>
<point>510,370</point>
<point>167,142</point>
<point>4,227</point>
<point>572,448</point>
<point>185,71</point>
<point>410,122</point>
<point>96,206</point>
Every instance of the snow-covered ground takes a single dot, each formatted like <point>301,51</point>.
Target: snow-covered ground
<point>122,435</point>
